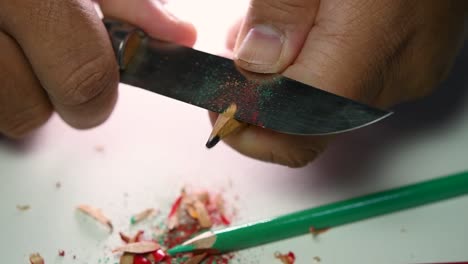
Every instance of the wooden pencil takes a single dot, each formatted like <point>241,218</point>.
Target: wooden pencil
<point>224,126</point>
<point>326,216</point>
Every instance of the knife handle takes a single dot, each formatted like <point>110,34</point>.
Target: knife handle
<point>125,40</point>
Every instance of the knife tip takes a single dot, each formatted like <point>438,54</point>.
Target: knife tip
<point>212,141</point>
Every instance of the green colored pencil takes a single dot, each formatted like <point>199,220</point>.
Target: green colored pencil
<point>326,216</point>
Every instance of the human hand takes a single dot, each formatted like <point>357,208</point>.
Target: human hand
<point>56,55</point>
<point>379,52</point>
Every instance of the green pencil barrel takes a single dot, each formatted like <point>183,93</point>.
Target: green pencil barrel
<point>340,213</point>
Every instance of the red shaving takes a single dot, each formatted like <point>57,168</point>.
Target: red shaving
<point>158,255</point>
<point>61,253</point>
<point>138,259</point>
<point>288,258</point>
<point>175,206</point>
<point>225,220</point>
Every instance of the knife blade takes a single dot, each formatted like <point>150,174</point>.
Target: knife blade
<point>214,83</point>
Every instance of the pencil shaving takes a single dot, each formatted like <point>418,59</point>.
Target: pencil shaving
<point>195,205</point>
<point>196,259</point>
<point>124,237</point>
<point>138,247</point>
<point>315,232</point>
<point>126,258</point>
<point>35,258</point>
<point>97,215</point>
<point>202,215</point>
<point>23,208</point>
<point>143,215</point>
<point>203,197</point>
<point>288,258</point>
<point>173,220</point>
<point>127,239</point>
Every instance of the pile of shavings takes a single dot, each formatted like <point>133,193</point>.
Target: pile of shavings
<point>191,213</point>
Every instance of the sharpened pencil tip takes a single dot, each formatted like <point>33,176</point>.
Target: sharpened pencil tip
<point>212,141</point>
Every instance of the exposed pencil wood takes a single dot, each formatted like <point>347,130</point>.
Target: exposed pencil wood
<point>127,258</point>
<point>225,125</point>
<point>196,259</point>
<point>138,247</point>
<point>204,240</point>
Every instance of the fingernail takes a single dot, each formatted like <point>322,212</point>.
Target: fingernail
<point>261,46</point>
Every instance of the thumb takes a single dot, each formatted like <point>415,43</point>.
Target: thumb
<point>273,34</point>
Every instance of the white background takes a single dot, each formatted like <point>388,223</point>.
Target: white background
<point>152,146</point>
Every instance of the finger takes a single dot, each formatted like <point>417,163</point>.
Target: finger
<point>24,105</point>
<point>232,34</point>
<point>273,33</point>
<point>266,145</point>
<point>153,18</point>
<point>70,52</point>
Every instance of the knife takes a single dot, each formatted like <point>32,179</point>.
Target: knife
<point>214,83</point>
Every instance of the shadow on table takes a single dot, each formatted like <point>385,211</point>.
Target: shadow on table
<point>351,158</point>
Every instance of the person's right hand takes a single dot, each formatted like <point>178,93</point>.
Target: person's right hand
<point>56,55</point>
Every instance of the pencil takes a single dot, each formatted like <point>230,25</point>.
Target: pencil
<point>326,216</point>
<point>224,126</point>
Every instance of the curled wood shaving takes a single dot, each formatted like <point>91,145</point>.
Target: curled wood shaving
<point>96,214</point>
<point>128,239</point>
<point>143,215</point>
<point>196,259</point>
<point>124,237</point>
<point>195,205</point>
<point>202,215</point>
<point>138,247</point>
<point>35,258</point>
<point>315,232</point>
<point>203,197</point>
<point>24,207</point>
<point>126,258</point>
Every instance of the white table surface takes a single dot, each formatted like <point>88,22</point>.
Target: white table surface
<point>152,146</point>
